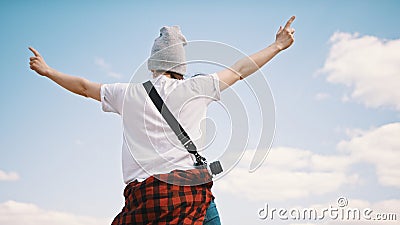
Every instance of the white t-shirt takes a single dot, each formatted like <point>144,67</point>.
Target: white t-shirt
<point>149,144</point>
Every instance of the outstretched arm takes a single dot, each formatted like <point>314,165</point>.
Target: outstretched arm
<point>248,65</point>
<point>74,84</point>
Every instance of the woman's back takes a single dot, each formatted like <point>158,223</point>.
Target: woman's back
<point>149,145</point>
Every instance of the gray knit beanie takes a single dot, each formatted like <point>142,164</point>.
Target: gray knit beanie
<point>168,53</point>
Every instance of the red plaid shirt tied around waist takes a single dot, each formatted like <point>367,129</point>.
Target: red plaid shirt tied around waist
<point>167,199</point>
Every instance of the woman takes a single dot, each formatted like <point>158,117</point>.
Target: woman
<point>151,152</point>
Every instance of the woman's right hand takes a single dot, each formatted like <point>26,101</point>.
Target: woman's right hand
<point>38,64</point>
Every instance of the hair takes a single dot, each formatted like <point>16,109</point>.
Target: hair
<point>178,76</point>
<point>173,75</point>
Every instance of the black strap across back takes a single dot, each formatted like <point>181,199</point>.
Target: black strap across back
<point>183,137</point>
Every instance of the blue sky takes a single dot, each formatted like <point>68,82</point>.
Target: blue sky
<point>65,152</point>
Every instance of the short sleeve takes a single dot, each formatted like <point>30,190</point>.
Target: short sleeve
<point>112,97</point>
<point>207,85</point>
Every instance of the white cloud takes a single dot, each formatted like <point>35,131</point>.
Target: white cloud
<point>288,173</point>
<point>321,96</point>
<point>107,68</point>
<point>17,213</point>
<point>102,63</point>
<point>78,142</point>
<point>10,176</point>
<point>354,132</point>
<point>380,147</point>
<point>367,64</point>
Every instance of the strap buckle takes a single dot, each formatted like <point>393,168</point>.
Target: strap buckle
<point>191,147</point>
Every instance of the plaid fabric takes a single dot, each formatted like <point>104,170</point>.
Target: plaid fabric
<point>167,199</point>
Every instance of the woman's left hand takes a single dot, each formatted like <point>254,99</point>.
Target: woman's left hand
<point>284,38</point>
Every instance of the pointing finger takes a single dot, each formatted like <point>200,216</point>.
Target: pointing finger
<point>280,29</point>
<point>35,52</point>
<point>289,22</point>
